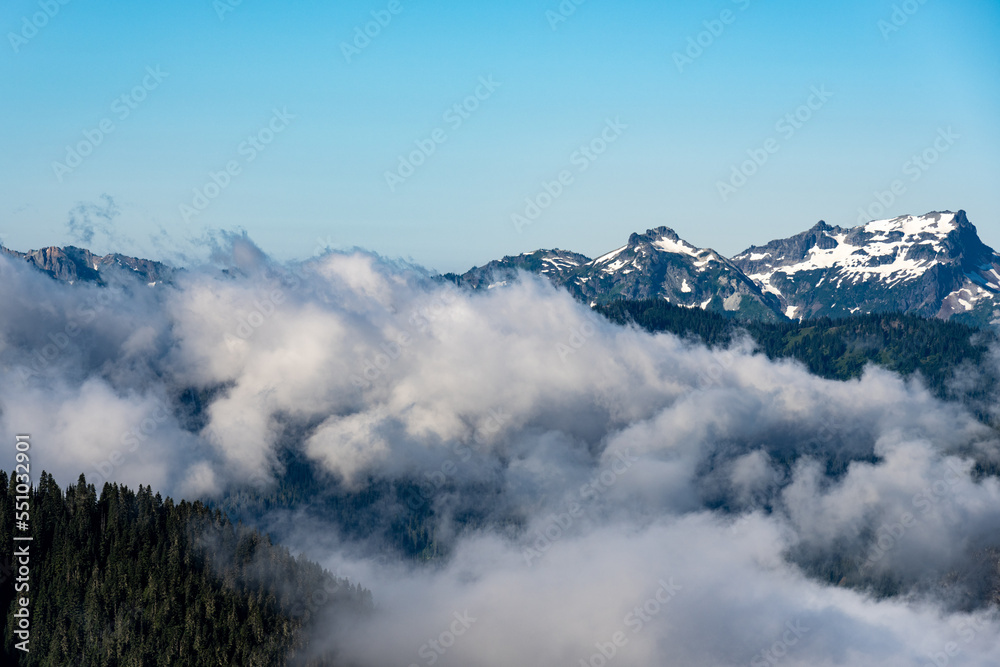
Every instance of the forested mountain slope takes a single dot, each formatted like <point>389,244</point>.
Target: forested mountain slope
<point>128,578</point>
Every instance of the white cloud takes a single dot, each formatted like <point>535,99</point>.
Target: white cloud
<point>741,478</point>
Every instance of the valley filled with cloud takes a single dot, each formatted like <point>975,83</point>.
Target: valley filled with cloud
<point>596,494</point>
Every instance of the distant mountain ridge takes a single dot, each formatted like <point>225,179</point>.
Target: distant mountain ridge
<point>657,264</point>
<point>72,264</point>
<point>934,265</point>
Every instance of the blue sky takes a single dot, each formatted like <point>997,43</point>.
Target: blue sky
<point>891,90</point>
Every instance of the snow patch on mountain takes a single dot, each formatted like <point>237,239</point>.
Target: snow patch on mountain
<point>933,264</point>
<point>676,246</point>
<point>882,251</point>
<point>558,264</point>
<point>966,299</point>
<point>611,255</point>
<point>915,228</point>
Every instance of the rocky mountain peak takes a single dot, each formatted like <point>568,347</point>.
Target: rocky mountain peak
<point>821,226</point>
<point>71,264</point>
<point>933,264</point>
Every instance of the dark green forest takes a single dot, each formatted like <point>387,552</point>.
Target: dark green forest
<point>130,578</point>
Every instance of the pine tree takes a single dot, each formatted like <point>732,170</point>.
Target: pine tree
<point>134,579</point>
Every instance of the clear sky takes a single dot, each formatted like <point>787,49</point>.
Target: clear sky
<point>890,91</point>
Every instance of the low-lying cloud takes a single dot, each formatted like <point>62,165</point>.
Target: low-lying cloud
<point>651,501</point>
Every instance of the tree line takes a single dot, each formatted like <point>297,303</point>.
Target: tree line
<point>130,578</point>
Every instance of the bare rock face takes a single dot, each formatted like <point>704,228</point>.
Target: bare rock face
<point>72,264</point>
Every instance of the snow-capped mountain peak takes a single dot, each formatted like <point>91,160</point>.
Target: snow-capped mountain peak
<point>924,260</point>
<point>660,264</point>
<point>642,248</point>
<point>933,265</point>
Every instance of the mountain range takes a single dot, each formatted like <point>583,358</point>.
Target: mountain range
<point>933,265</point>
<point>72,264</point>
